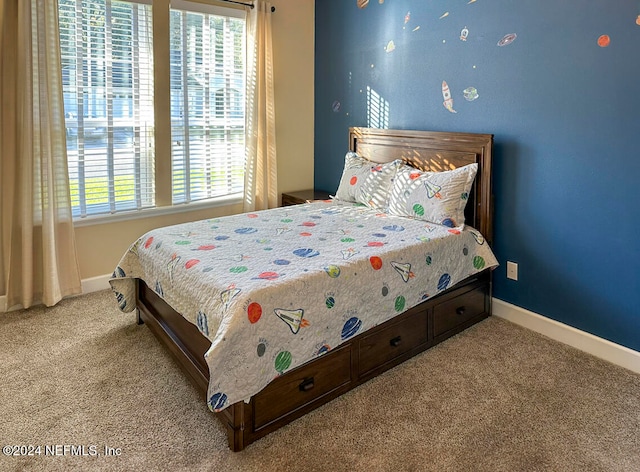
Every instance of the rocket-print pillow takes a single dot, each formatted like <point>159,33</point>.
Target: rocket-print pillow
<point>437,197</point>
<point>367,182</point>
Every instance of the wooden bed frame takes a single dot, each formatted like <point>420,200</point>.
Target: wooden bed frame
<point>372,352</point>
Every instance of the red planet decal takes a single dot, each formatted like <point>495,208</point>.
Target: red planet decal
<point>254,312</point>
<point>375,244</point>
<point>268,275</point>
<point>604,41</point>
<point>252,215</point>
<point>353,180</point>
<point>148,242</point>
<point>376,262</point>
<point>454,231</point>
<point>305,234</point>
<point>414,175</point>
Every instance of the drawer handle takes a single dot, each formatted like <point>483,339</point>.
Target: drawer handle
<point>306,385</point>
<point>395,342</point>
<point>460,310</point>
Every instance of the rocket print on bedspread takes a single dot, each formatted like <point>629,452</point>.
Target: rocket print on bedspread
<point>275,289</point>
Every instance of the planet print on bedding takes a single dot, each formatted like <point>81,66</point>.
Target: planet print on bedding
<point>250,295</point>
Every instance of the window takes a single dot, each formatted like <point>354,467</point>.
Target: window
<point>207,105</point>
<point>107,51</point>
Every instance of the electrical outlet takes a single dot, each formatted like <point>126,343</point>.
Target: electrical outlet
<point>512,270</point>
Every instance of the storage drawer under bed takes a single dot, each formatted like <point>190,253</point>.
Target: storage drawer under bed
<point>302,386</point>
<point>454,313</point>
<point>384,345</point>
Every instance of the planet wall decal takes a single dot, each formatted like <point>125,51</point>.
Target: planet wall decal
<point>507,39</point>
<point>391,46</point>
<point>470,94</point>
<point>604,41</point>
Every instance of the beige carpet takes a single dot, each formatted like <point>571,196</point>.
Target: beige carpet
<point>494,398</point>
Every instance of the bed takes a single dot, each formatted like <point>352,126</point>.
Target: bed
<point>281,377</point>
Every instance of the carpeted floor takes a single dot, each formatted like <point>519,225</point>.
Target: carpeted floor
<point>494,398</point>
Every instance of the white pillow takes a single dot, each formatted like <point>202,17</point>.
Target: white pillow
<point>367,182</point>
<point>437,197</point>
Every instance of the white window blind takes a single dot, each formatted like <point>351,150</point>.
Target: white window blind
<point>107,62</point>
<point>207,102</point>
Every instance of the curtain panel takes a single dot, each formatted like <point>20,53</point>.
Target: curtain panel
<point>261,189</point>
<point>38,254</point>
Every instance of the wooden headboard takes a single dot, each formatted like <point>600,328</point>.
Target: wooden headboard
<point>435,152</point>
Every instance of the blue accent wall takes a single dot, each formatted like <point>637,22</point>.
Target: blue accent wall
<point>564,109</point>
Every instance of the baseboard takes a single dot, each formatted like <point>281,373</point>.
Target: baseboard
<point>599,347</point>
<point>95,284</point>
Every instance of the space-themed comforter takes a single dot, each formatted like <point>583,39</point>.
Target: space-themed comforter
<point>275,289</point>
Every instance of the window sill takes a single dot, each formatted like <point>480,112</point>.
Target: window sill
<point>158,211</point>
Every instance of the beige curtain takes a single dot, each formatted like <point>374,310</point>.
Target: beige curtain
<point>38,253</point>
<point>261,189</point>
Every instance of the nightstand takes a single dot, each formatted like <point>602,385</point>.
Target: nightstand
<point>303,196</point>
